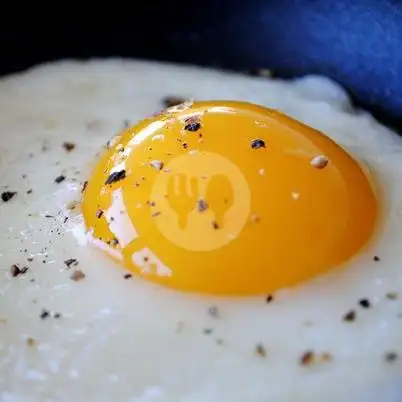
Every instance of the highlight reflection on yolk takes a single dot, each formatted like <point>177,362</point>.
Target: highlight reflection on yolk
<point>228,198</point>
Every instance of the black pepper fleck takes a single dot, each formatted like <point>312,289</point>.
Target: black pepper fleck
<point>192,126</point>
<point>307,358</point>
<point>207,331</point>
<point>77,275</point>
<point>269,298</point>
<point>44,314</point>
<point>128,276</point>
<point>113,242</point>
<point>202,205</point>
<point>68,146</point>
<point>365,303</point>
<point>391,357</point>
<point>257,143</point>
<point>59,179</point>
<point>57,315</point>
<point>7,195</point>
<point>15,270</point>
<point>99,213</point>
<point>29,191</point>
<point>215,225</point>
<point>116,176</point>
<point>260,350</point>
<point>84,186</point>
<point>376,258</point>
<point>349,316</point>
<point>71,262</point>
<point>31,342</point>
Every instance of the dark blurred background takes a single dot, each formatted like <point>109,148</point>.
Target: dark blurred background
<point>359,44</point>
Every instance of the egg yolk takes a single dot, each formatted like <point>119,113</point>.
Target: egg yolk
<point>228,198</point>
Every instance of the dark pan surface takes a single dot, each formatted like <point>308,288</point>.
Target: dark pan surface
<point>359,44</point>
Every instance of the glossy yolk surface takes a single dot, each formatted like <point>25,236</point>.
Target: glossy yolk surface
<point>228,198</point>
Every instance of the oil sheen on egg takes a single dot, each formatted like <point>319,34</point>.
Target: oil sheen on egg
<point>238,250</point>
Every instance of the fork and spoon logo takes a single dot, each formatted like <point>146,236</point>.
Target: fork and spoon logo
<point>184,194</point>
<point>205,201</point>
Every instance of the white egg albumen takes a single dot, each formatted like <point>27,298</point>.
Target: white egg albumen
<point>129,340</point>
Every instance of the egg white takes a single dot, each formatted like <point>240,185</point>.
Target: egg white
<point>129,340</point>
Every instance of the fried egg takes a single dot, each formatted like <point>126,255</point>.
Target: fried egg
<point>241,245</point>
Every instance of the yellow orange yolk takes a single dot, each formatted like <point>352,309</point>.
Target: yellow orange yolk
<point>228,198</point>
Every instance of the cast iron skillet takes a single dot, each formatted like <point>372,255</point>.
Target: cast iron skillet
<point>358,43</point>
